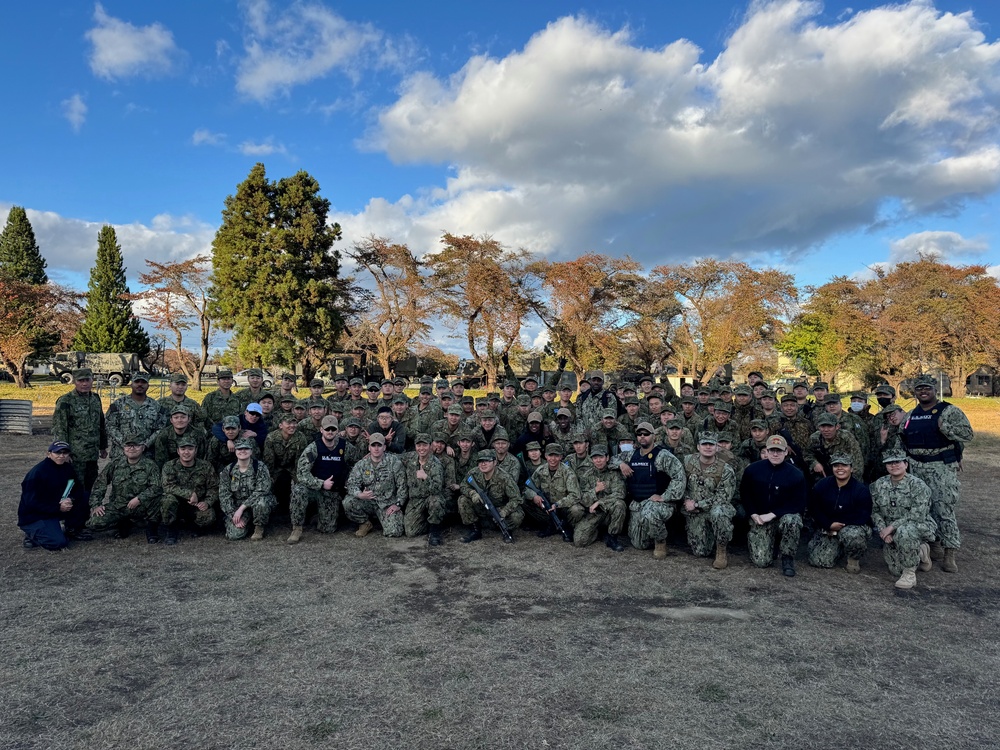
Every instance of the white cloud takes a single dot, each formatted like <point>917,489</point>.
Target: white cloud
<point>75,111</point>
<point>795,132</point>
<point>205,137</point>
<point>121,50</point>
<point>289,46</point>
<point>944,246</point>
<point>262,148</point>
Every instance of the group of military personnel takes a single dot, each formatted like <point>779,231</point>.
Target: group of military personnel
<point>618,462</point>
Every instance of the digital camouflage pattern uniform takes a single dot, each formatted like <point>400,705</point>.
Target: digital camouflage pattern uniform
<point>502,491</point>
<point>281,457</point>
<point>425,502</point>
<point>387,479</point>
<point>126,417</point>
<point>648,518</point>
<point>611,511</point>
<point>217,406</point>
<point>711,488</point>
<point>179,481</point>
<point>165,443</point>
<point>78,419</point>
<point>141,480</point>
<point>249,396</point>
<point>561,487</point>
<point>819,451</point>
<point>906,506</point>
<point>308,488</point>
<point>198,416</point>
<point>251,488</point>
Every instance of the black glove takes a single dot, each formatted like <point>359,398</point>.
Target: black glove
<point>562,363</point>
<point>504,358</point>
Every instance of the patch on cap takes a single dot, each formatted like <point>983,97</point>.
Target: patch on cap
<point>59,446</point>
<point>776,441</point>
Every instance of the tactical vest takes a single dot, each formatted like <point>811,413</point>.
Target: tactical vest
<point>330,462</point>
<point>646,480</point>
<point>921,432</point>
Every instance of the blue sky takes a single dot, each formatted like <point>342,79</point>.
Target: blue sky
<point>820,138</point>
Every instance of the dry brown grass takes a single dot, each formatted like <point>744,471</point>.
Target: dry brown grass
<point>359,643</point>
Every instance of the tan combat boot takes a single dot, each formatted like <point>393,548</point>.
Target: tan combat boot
<point>721,557</point>
<point>296,536</point>
<point>853,565</point>
<point>258,533</point>
<point>364,529</point>
<point>937,550</point>
<point>925,558</point>
<point>659,550</point>
<point>908,580</point>
<point>949,565</point>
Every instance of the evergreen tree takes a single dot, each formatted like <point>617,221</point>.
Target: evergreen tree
<point>109,324</point>
<point>275,274</point>
<point>20,257</point>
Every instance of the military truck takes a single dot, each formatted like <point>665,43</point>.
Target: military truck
<point>117,369</point>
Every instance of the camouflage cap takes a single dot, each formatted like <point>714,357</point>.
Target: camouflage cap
<point>244,443</point>
<point>768,393</point>
<point>178,377</point>
<point>301,403</point>
<point>725,437</point>
<point>644,426</point>
<point>492,396</point>
<point>337,407</point>
<point>708,437</point>
<point>579,436</point>
<point>704,392</point>
<point>230,422</point>
<point>758,424</point>
<point>422,437</point>
<point>401,400</point>
<point>316,383</point>
<point>510,384</point>
<point>426,380</point>
<point>674,424</point>
<point>554,449</point>
<point>841,458</point>
<point>352,422</point>
<point>548,388</point>
<point>631,401</point>
<point>289,376</point>
<point>266,396</point>
<point>399,381</point>
<point>725,389</point>
<point>373,386</point>
<point>180,409</point>
<point>893,456</point>
<point>255,372</point>
<point>566,387</point>
<point>134,438</point>
<point>594,375</point>
<point>287,398</point>
<point>466,435</point>
<point>317,401</point>
<point>288,417</point>
<point>724,407</point>
<point>530,379</point>
<point>442,383</point>
<point>534,417</point>
<point>742,390</point>
<point>440,437</point>
<point>487,414</point>
<point>523,400</point>
<point>775,441</point>
<point>891,408</point>
<point>455,409</point>
<point>832,398</point>
<point>788,397</point>
<point>446,396</point>
<point>357,381</point>
<point>564,412</point>
<point>224,373</point>
<point>486,454</point>
<point>826,420</point>
<point>609,414</point>
<point>184,441</point>
<point>599,450</point>
<point>385,382</point>
<point>645,379</point>
<point>885,389</point>
<point>626,387</point>
<point>819,385</point>
<point>924,381</point>
<point>499,434</point>
<point>688,400</point>
<point>140,377</point>
<point>800,384</point>
<point>329,421</point>
<point>533,445</point>
<point>426,390</point>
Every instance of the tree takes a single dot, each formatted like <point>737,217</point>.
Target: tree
<point>275,276</point>
<point>396,316</point>
<point>20,257</point>
<point>483,287</point>
<point>646,339</point>
<point>109,324</point>
<point>178,300</point>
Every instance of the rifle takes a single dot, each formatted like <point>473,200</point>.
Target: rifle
<point>551,510</point>
<point>494,513</point>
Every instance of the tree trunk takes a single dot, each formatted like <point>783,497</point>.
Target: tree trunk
<point>958,388</point>
<point>308,370</point>
<point>16,370</point>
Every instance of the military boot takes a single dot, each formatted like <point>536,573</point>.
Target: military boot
<point>949,565</point>
<point>937,550</point>
<point>122,530</point>
<point>660,549</point>
<point>853,565</point>
<point>153,533</point>
<point>721,557</point>
<point>613,542</point>
<point>788,565</point>
<point>908,580</point>
<point>474,534</point>
<point>364,529</point>
<point>296,536</point>
<point>258,533</point>
<point>434,535</point>
<point>171,534</point>
<point>925,558</point>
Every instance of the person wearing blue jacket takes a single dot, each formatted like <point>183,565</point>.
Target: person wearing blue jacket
<point>841,508</point>
<point>51,493</point>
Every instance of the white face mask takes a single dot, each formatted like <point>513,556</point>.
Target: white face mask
<point>857,406</point>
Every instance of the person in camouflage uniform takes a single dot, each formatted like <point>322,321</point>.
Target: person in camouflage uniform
<point>178,397</point>
<point>245,494</point>
<point>190,490</point>
<point>707,505</point>
<point>451,425</point>
<point>127,490</point>
<point>517,416</point>
<point>675,437</point>
<point>744,410</point>
<point>795,427</point>
<point>282,448</point>
<point>850,424</point>
<point>425,412</point>
<point>321,471</point>
<point>827,440</point>
<point>505,461</point>
<point>255,389</point>
<point>78,420</point>
<point>134,413</point>
<point>165,442</point>
<point>591,408</point>
<point>773,493</point>
<point>602,503</point>
<point>452,482</point>
<point>633,414</point>
<point>311,426</point>
<point>841,508</point>
<point>221,444</point>
<point>655,481</point>
<point>579,460</point>
<point>934,436</point>
<point>376,490</point>
<point>500,488</point>
<point>353,434</point>
<point>425,506</point>
<point>609,432</point>
<point>887,439</point>
<point>222,402</point>
<point>719,420</point>
<point>750,449</point>
<point>901,515</point>
<point>558,483</point>
<point>562,430</point>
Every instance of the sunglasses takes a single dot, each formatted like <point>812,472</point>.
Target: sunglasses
<point>329,429</point>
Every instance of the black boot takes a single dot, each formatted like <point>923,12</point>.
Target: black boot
<point>788,565</point>
<point>81,534</point>
<point>152,533</point>
<point>612,541</point>
<point>474,534</point>
<point>171,535</point>
<point>434,536</point>
<point>123,529</point>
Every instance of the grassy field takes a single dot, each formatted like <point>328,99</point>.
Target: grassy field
<point>363,643</point>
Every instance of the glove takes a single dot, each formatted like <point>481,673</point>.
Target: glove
<point>504,358</point>
<point>562,363</point>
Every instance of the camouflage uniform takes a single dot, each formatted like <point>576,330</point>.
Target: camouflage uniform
<point>510,466</point>
<point>165,443</point>
<point>281,456</point>
<point>198,415</point>
<point>425,497</point>
<point>799,429</point>
<point>218,454</point>
<point>611,511</point>
<point>387,479</point>
<point>502,491</point>
<point>126,417</point>
<point>179,482</point>
<point>561,487</point>
<point>141,480</point>
<point>588,413</point>
<point>217,406</point>
<point>78,419</point>
<point>711,488</point>
<point>819,451</point>
<point>249,396</point>
<point>854,426</point>
<point>308,488</point>
<point>610,438</point>
<point>422,420</point>
<point>251,488</point>
<point>648,518</point>
<point>906,506</point>
<point>850,505</point>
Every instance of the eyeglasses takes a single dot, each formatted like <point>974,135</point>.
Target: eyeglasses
<point>643,434</point>
<point>329,429</point>
<point>775,450</point>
